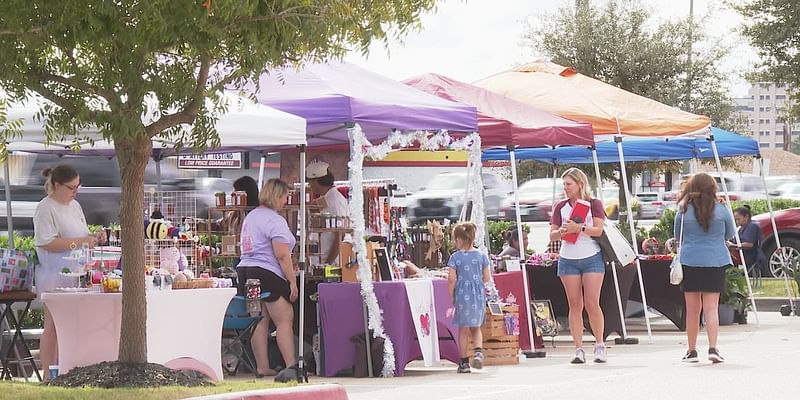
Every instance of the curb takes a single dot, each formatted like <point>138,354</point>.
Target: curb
<point>302,392</point>
<point>773,303</point>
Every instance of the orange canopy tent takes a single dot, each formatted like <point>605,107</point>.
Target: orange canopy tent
<point>611,110</point>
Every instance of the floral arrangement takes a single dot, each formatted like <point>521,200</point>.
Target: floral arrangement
<point>545,259</point>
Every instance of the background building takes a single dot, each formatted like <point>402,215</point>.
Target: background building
<point>763,109</point>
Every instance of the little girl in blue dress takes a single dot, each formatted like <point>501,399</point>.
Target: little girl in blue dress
<point>469,272</point>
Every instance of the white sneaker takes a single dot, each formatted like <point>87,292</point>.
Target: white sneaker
<point>600,355</point>
<point>580,357</point>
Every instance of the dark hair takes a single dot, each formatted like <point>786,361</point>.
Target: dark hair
<point>249,186</point>
<point>59,174</point>
<point>701,191</point>
<point>326,180</point>
<point>745,211</point>
<point>511,234</point>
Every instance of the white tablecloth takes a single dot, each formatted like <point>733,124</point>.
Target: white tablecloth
<point>184,328</point>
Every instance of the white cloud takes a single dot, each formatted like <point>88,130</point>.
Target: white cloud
<point>468,40</point>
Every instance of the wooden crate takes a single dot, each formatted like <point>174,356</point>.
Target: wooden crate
<point>498,347</point>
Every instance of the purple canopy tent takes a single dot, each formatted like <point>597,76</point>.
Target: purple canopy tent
<point>335,97</point>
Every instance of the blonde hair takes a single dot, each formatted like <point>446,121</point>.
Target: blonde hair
<point>465,232</point>
<point>580,178</point>
<point>271,192</point>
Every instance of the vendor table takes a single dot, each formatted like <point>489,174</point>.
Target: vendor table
<point>666,298</point>
<point>184,328</point>
<point>546,285</point>
<point>341,317</point>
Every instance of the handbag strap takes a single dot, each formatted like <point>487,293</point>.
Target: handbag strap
<point>680,239</point>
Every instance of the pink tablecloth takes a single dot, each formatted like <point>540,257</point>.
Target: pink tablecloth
<point>184,328</point>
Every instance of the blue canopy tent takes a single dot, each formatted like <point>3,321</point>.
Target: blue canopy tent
<point>729,144</point>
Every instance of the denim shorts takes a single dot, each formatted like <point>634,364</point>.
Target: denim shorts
<point>593,263</point>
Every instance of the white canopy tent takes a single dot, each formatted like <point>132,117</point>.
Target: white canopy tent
<point>245,126</point>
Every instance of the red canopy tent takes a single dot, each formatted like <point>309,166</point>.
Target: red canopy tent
<point>503,121</point>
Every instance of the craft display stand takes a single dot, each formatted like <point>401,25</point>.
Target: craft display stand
<point>499,347</point>
<point>180,208</point>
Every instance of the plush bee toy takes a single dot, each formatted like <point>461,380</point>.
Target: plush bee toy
<point>155,230</point>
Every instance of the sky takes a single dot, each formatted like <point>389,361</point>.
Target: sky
<point>470,39</point>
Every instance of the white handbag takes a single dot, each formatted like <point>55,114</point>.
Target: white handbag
<point>675,268</point>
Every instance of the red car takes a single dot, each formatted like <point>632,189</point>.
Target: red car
<point>788,224</point>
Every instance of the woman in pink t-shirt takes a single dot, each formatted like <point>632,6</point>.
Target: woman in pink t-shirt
<point>580,263</point>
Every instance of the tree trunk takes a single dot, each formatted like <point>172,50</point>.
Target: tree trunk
<point>132,155</point>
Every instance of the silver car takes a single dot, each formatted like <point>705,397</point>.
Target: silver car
<point>651,205</point>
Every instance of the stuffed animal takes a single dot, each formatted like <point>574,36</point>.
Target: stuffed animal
<point>437,240</point>
<point>156,230</point>
<point>169,257</point>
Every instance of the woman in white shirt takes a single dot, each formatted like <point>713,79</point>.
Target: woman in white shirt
<point>580,264</point>
<point>59,226</point>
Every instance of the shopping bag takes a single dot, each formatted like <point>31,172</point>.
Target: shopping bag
<point>675,267</point>
<point>15,271</point>
<point>614,246</point>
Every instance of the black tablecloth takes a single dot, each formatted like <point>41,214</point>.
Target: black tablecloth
<point>546,285</point>
<point>666,298</point>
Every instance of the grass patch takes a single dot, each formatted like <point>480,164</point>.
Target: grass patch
<point>772,287</point>
<point>35,391</point>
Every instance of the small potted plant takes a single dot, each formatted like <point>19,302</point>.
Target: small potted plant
<point>220,199</point>
<point>733,300</point>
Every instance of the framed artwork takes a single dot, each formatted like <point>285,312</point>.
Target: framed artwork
<point>382,258</point>
<point>544,318</point>
<point>495,308</point>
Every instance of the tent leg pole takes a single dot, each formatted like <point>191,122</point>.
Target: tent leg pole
<point>624,177</point>
<point>735,231</point>
<point>261,168</point>
<point>302,374</point>
<point>778,246</point>
<point>530,353</point>
<point>9,216</point>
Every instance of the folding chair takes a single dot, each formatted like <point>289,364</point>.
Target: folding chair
<point>237,330</point>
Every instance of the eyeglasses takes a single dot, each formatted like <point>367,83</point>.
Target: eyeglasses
<point>72,188</point>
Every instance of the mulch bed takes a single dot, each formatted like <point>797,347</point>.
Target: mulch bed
<point>129,375</point>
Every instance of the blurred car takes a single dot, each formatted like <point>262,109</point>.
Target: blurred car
<point>774,182</point>
<point>651,205</point>
<point>740,186</point>
<point>790,191</point>
<point>788,224</point>
<point>443,197</point>
<point>670,200</point>
<point>535,200</point>
<point>100,194</point>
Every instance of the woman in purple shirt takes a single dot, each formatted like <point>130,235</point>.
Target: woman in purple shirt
<point>267,244</point>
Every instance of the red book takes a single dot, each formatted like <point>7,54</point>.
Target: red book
<point>579,213</point>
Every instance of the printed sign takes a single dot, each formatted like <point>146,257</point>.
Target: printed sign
<point>211,161</point>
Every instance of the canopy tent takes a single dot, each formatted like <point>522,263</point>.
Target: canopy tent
<point>609,109</point>
<point>613,113</point>
<point>245,126</point>
<point>504,122</point>
<point>347,105</point>
<point>638,149</point>
<point>334,96</point>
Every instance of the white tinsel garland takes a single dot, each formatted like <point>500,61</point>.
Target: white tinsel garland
<point>360,147</point>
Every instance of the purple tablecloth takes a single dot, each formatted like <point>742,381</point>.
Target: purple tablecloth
<point>341,317</point>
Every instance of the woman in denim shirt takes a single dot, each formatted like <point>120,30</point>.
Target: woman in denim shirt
<point>707,224</point>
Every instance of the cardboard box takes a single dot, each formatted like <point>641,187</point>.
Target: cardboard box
<point>349,264</point>
<point>230,245</point>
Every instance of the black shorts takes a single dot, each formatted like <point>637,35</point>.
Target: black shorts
<point>274,284</point>
<point>704,279</point>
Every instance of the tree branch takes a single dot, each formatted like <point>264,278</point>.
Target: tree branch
<point>60,101</point>
<point>9,32</point>
<point>74,83</point>
<point>190,109</point>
